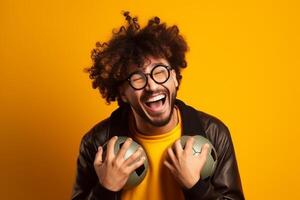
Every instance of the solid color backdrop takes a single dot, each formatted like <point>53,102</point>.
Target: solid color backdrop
<point>243,67</point>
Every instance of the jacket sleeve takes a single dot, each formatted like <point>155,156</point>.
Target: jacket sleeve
<point>225,182</point>
<point>87,186</point>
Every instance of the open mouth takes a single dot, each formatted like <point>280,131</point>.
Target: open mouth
<point>156,102</point>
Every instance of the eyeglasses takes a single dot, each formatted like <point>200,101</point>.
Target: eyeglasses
<point>159,74</point>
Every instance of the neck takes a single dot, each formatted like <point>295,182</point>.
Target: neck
<point>149,129</point>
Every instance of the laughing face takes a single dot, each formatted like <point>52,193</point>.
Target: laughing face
<point>153,105</point>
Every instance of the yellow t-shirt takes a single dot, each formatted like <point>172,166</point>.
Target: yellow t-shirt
<point>159,183</point>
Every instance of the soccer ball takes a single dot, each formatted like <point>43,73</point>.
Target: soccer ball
<point>139,174</point>
<point>211,161</point>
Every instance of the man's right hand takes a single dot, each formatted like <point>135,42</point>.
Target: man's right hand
<point>114,170</point>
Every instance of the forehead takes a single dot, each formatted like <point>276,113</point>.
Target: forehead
<point>149,63</point>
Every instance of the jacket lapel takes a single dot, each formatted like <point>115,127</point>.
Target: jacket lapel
<point>191,120</point>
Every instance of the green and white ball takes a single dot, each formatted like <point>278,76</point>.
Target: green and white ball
<point>211,161</point>
<point>137,176</point>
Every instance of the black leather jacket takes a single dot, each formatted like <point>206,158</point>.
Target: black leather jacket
<point>224,184</point>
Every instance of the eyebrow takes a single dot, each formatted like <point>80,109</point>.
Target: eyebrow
<point>153,65</point>
<point>141,69</point>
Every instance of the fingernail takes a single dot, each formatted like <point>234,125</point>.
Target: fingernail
<point>99,148</point>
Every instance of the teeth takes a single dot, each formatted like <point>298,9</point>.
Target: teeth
<point>156,98</point>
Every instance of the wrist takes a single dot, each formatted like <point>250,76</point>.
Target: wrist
<point>109,187</point>
<point>193,181</point>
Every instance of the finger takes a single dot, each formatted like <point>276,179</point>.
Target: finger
<point>135,156</point>
<point>136,164</point>
<point>98,157</point>
<point>110,148</point>
<point>189,145</point>
<point>172,157</point>
<point>178,148</point>
<point>203,154</point>
<point>123,150</point>
<point>167,156</point>
<point>170,167</point>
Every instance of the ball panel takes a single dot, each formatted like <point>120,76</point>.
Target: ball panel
<point>210,165</point>
<point>138,175</point>
<point>140,170</point>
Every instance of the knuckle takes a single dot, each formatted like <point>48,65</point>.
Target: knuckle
<point>191,139</point>
<point>142,160</point>
<point>118,165</point>
<point>133,157</point>
<point>96,165</point>
<point>125,172</point>
<point>115,163</point>
<point>204,157</point>
<point>129,160</point>
<point>185,154</point>
<point>139,151</point>
<point>112,140</point>
<point>127,142</point>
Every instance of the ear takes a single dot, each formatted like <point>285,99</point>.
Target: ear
<point>122,94</point>
<point>173,74</point>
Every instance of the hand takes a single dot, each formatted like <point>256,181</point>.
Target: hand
<point>185,166</point>
<point>114,171</point>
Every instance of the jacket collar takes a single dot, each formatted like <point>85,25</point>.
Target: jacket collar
<point>191,120</point>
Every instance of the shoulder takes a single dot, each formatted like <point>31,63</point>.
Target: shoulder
<point>210,126</point>
<point>196,119</point>
<point>91,140</point>
<point>218,133</point>
<point>105,129</point>
<point>98,133</point>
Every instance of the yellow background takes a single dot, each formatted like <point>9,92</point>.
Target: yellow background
<point>243,67</point>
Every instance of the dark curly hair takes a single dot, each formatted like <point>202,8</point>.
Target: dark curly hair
<point>131,45</point>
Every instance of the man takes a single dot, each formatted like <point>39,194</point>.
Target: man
<point>141,69</point>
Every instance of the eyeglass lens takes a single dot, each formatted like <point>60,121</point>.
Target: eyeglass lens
<point>159,74</point>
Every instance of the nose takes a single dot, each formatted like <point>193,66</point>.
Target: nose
<point>151,85</point>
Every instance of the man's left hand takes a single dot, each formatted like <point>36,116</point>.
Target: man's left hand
<point>185,166</point>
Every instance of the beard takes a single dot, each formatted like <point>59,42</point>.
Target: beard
<point>157,121</point>
<point>163,122</point>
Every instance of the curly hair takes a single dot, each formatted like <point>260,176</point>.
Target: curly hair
<point>131,45</point>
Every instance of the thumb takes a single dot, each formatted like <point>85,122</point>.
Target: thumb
<point>98,157</point>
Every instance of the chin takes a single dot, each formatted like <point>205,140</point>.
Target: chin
<point>161,122</point>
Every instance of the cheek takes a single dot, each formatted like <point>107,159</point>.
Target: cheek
<point>132,96</point>
<point>174,79</point>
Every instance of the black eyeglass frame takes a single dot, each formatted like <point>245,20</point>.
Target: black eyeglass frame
<point>145,75</point>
